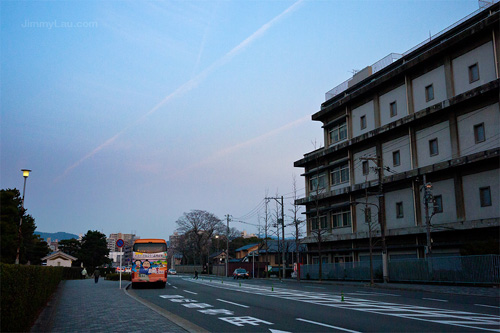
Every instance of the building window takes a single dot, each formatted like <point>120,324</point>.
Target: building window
<point>393,109</point>
<point>368,215</point>
<point>429,93</point>
<point>399,210</point>
<point>324,222</point>
<point>479,135</point>
<point>485,196</point>
<point>438,204</point>
<point>315,225</point>
<point>433,147</point>
<point>341,219</point>
<point>317,182</point>
<point>396,158</point>
<point>366,169</point>
<point>340,174</point>
<point>363,122</point>
<point>473,73</point>
<point>338,133</point>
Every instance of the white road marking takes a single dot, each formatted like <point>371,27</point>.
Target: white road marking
<point>241,321</point>
<point>435,299</point>
<point>326,325</point>
<point>428,314</point>
<point>217,312</point>
<point>488,306</point>
<point>243,306</point>
<point>370,293</point>
<point>191,292</point>
<point>171,296</point>
<point>197,305</point>
<point>174,287</point>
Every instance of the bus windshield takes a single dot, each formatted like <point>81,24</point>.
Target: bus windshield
<point>150,247</point>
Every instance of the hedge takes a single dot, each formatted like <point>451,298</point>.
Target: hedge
<point>25,290</point>
<point>116,276</point>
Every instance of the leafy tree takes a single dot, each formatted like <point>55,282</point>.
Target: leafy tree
<point>94,249</point>
<point>72,247</point>
<point>32,248</point>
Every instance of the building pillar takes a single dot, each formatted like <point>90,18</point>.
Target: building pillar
<point>409,94</point>
<point>417,203</point>
<point>459,196</point>
<point>448,78</point>
<point>376,110</point>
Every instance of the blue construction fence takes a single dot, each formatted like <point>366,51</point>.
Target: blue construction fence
<point>483,269</point>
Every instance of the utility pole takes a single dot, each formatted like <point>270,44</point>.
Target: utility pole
<point>227,243</point>
<point>381,213</point>
<point>428,198</point>
<point>282,234</point>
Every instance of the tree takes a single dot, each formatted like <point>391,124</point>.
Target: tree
<point>94,249</point>
<point>198,228</point>
<point>297,223</point>
<point>32,248</point>
<point>71,247</point>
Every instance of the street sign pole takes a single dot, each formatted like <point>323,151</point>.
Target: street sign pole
<point>121,267</point>
<point>120,244</point>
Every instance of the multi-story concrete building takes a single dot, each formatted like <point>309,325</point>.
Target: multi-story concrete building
<point>114,251</point>
<point>430,114</point>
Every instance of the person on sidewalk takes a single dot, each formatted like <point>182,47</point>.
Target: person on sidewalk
<point>195,274</point>
<point>96,275</point>
<point>84,273</point>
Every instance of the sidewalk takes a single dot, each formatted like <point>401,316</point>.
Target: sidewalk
<point>441,289</point>
<point>84,306</point>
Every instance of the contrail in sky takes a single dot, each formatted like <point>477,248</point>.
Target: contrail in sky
<point>217,155</point>
<point>189,85</point>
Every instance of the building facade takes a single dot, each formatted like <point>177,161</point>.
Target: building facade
<point>411,153</point>
<point>114,251</point>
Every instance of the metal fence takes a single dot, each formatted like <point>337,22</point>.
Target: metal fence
<point>461,269</point>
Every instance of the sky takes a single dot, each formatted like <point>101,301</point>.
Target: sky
<point>130,114</point>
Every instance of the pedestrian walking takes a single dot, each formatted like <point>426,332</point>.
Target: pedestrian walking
<point>96,275</point>
<point>195,274</point>
<point>84,273</point>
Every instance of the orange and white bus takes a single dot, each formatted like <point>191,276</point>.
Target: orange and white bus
<point>149,262</point>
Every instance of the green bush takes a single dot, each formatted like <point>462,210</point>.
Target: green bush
<point>116,276</point>
<point>25,291</point>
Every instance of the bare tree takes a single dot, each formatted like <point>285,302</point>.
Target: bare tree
<point>198,227</point>
<point>318,230</point>
<point>296,222</point>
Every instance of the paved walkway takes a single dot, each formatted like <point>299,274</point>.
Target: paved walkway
<point>84,306</point>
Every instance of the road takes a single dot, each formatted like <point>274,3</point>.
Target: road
<point>229,305</point>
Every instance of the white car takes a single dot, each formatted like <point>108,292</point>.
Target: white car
<point>172,271</point>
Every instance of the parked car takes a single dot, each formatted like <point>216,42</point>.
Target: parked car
<point>172,271</point>
<point>240,273</point>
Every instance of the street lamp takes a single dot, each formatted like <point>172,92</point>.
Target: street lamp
<point>26,174</point>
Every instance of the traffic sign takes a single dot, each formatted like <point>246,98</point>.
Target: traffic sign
<point>120,243</point>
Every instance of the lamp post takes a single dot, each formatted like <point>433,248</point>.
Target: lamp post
<point>217,241</point>
<point>26,174</point>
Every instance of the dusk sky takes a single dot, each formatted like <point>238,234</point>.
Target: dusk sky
<point>132,113</point>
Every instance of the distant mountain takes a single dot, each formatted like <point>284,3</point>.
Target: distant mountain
<point>56,235</point>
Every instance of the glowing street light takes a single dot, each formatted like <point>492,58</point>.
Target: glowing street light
<point>26,174</point>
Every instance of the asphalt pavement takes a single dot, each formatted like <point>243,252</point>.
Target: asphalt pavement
<point>84,306</point>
